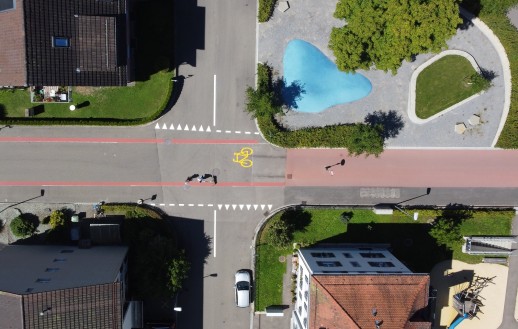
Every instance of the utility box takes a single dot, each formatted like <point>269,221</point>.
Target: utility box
<point>383,211</point>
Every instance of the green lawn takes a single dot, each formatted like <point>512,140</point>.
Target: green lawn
<point>140,101</point>
<point>409,240</point>
<point>443,84</point>
<point>153,72</point>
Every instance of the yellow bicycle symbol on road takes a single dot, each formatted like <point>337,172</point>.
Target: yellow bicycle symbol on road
<point>241,157</point>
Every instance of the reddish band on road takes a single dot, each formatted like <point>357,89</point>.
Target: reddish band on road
<point>122,140</point>
<point>141,184</point>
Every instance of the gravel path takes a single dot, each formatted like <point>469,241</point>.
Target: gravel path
<point>312,21</point>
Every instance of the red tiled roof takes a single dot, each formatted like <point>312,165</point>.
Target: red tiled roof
<point>347,301</point>
<point>12,52</point>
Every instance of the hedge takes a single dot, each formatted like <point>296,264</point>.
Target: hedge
<point>266,8</point>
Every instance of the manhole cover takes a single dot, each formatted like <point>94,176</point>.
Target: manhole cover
<point>282,259</point>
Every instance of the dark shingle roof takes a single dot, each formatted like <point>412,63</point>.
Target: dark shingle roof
<point>96,30</point>
<point>93,307</point>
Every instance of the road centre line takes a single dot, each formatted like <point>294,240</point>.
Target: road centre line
<point>214,114</point>
<point>215,233</point>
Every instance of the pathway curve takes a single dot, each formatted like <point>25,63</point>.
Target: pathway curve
<point>390,93</point>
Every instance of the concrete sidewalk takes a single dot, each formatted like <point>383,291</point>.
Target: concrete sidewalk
<point>510,318</point>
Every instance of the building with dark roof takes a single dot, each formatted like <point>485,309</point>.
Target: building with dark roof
<point>65,43</point>
<point>65,287</point>
<point>356,287</point>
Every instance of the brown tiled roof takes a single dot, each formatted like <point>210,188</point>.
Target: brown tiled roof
<point>12,49</point>
<point>347,301</point>
<point>92,307</point>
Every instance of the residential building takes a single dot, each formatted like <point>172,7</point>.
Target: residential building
<point>65,43</point>
<point>63,287</point>
<point>358,286</point>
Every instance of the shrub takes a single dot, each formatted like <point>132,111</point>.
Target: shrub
<point>266,10</point>
<point>478,81</point>
<point>279,233</point>
<point>57,219</point>
<point>22,226</point>
<point>177,271</point>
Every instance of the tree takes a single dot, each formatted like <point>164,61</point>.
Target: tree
<point>446,232</point>
<point>22,226</point>
<point>177,271</point>
<point>366,139</point>
<point>279,233</point>
<point>57,219</point>
<point>385,32</point>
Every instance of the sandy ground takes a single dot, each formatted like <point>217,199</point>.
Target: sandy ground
<point>450,277</point>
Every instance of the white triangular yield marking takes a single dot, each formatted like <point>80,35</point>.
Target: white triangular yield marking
<point>208,129</point>
<point>193,128</point>
<point>269,207</point>
<point>201,128</point>
<point>241,207</point>
<point>179,127</point>
<point>234,207</point>
<point>157,126</point>
<point>186,127</point>
<point>226,206</point>
<point>171,127</point>
<point>262,207</point>
<point>164,126</point>
<point>219,206</point>
<point>248,206</point>
<point>255,207</point>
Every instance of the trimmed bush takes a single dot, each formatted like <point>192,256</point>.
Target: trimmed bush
<point>57,219</point>
<point>23,226</point>
<point>266,8</point>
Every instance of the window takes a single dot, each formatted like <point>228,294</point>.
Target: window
<point>7,4</point>
<point>322,254</point>
<point>43,280</point>
<point>372,255</point>
<point>306,279</point>
<point>300,295</point>
<point>381,264</point>
<point>306,295</point>
<point>355,264</point>
<point>52,269</point>
<point>305,322</point>
<point>329,264</point>
<point>305,306</point>
<point>300,309</point>
<point>347,255</point>
<point>59,260</point>
<point>60,42</point>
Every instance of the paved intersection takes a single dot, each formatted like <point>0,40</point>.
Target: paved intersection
<point>83,164</point>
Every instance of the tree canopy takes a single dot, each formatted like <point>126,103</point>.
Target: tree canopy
<point>385,32</point>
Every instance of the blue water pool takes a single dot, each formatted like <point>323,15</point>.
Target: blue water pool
<point>314,83</point>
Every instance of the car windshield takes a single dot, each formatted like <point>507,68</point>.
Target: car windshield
<point>242,285</point>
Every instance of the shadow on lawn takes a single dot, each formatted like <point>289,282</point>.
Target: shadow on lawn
<point>153,38</point>
<point>410,243</point>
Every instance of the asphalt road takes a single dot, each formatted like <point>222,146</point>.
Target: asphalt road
<point>215,46</point>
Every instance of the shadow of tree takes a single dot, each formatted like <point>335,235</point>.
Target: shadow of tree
<point>489,75</point>
<point>391,123</point>
<point>3,112</point>
<point>287,95</point>
<point>297,219</point>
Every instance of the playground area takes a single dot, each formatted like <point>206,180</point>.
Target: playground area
<point>485,284</point>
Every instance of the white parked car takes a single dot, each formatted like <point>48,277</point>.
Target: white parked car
<point>242,288</point>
